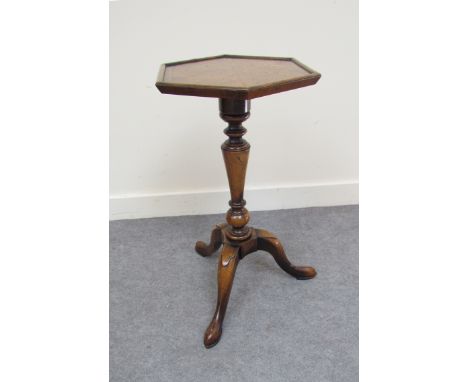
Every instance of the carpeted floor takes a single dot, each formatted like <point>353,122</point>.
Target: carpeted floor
<point>277,328</point>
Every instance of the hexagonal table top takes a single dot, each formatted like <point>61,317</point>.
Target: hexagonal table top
<point>235,77</point>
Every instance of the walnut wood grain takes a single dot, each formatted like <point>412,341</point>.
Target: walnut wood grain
<point>236,156</point>
<point>238,239</point>
<point>234,77</point>
<point>216,240</point>
<point>232,252</point>
<point>268,242</point>
<point>235,80</point>
<point>227,266</point>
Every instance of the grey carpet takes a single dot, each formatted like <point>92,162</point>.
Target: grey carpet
<point>277,328</point>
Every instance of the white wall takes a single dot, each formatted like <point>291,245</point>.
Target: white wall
<point>165,156</point>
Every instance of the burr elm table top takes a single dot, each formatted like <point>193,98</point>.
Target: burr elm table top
<point>234,77</point>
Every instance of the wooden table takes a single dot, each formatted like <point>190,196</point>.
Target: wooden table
<point>235,80</point>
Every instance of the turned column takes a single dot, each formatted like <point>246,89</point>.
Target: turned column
<point>236,155</point>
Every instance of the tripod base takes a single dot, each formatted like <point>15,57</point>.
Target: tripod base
<point>231,253</point>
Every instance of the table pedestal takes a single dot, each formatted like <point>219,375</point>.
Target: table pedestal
<point>238,239</point>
